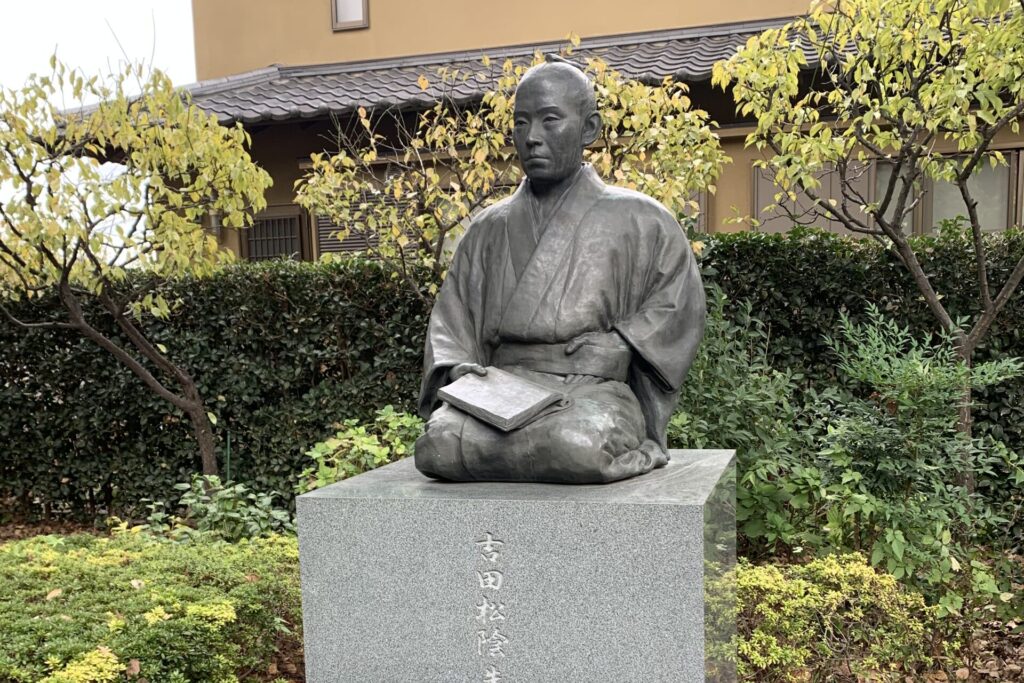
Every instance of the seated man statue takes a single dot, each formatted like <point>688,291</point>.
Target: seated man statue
<point>576,285</point>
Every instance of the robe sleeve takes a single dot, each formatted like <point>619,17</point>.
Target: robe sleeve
<point>452,336</point>
<point>667,327</point>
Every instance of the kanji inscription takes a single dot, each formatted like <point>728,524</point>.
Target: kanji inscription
<point>489,612</point>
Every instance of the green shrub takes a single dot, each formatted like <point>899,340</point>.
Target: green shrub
<point>201,611</point>
<point>799,283</point>
<point>227,512</point>
<point>890,475</point>
<point>734,398</point>
<point>833,619</point>
<point>357,448</point>
<point>283,350</point>
<point>873,465</point>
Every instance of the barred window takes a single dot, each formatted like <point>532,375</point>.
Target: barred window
<point>275,233</point>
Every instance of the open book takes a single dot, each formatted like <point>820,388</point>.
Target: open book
<point>502,399</point>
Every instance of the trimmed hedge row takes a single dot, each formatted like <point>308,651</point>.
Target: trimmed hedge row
<point>282,351</point>
<point>799,282</point>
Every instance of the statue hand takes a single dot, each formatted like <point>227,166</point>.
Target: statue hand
<point>608,340</point>
<point>464,369</point>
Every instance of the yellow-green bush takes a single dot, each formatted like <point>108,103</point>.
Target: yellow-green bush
<point>82,609</point>
<point>832,619</point>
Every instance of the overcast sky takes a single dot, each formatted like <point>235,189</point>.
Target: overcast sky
<point>86,33</point>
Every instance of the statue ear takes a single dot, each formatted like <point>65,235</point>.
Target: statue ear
<point>591,128</point>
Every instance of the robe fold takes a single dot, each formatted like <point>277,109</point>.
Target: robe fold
<point>520,287</point>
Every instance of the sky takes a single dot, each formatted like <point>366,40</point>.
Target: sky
<point>95,36</point>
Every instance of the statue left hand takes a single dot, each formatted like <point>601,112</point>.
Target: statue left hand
<point>608,340</point>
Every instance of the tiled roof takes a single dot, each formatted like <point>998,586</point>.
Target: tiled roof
<point>301,92</point>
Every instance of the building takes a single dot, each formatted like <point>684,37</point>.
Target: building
<point>284,69</point>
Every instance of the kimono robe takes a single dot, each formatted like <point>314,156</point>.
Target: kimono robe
<point>518,290</point>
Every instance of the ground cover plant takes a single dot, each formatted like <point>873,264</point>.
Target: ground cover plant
<point>137,606</point>
<point>834,618</point>
<point>357,448</point>
<point>134,607</point>
<point>216,510</point>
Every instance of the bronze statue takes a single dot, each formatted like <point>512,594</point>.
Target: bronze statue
<point>584,288</point>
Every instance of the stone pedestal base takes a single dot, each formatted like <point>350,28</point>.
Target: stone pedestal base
<point>408,579</point>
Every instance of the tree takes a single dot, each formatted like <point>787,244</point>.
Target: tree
<point>896,81</point>
<point>103,234</point>
<point>440,166</point>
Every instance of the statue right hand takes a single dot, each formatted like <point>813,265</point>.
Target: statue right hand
<point>461,369</point>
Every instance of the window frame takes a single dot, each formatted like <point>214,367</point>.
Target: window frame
<point>279,211</point>
<point>922,217</point>
<point>916,215</point>
<point>761,181</point>
<point>337,26</point>
<point>1013,198</point>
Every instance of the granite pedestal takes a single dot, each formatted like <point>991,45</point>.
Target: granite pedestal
<point>409,579</point>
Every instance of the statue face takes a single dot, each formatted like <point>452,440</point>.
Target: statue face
<point>549,129</point>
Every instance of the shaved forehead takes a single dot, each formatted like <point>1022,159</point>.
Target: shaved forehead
<point>576,84</point>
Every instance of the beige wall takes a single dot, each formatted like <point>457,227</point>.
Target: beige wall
<point>232,36</point>
<point>734,187</point>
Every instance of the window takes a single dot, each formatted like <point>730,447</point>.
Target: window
<point>993,188</point>
<point>356,240</point>
<point>328,242</point>
<point>349,14</point>
<point>999,192</point>
<point>275,233</point>
<point>781,218</point>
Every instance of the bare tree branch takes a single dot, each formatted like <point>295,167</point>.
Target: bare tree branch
<point>80,323</point>
<point>981,327</point>
<point>48,325</point>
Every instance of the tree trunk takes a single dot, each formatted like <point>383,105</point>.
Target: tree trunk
<point>204,437</point>
<point>201,426</point>
<point>188,401</point>
<point>964,354</point>
<point>965,419</point>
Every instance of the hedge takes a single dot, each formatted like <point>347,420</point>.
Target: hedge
<point>283,351</point>
<point>798,283</point>
<point>280,352</point>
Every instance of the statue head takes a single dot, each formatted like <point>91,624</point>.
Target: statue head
<point>556,117</point>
